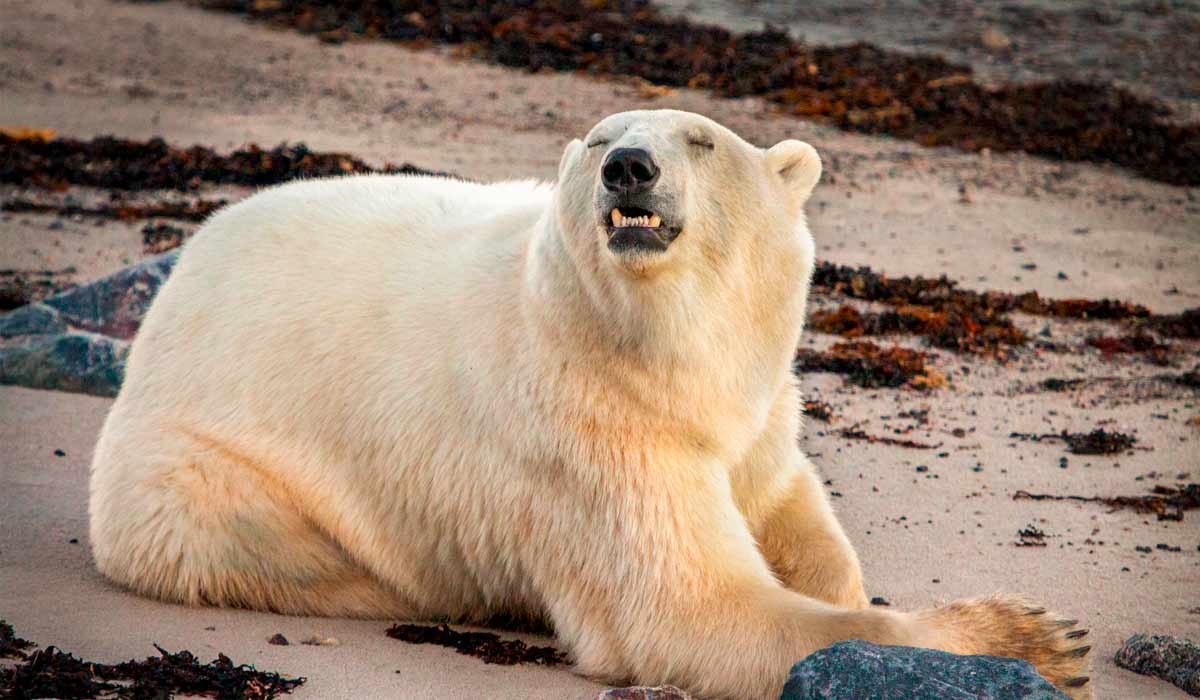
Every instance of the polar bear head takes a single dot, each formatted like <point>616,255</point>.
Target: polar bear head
<point>648,194</point>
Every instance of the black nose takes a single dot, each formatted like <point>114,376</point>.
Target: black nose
<point>628,171</point>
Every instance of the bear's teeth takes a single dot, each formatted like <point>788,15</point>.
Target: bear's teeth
<point>619,220</point>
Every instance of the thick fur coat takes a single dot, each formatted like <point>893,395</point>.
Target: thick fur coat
<point>411,397</point>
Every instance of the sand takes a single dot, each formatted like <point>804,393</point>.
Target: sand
<point>140,70</point>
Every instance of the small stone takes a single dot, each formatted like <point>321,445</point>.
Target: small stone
<point>1172,659</point>
<point>662,692</point>
<point>880,600</point>
<point>60,453</point>
<point>278,640</point>
<point>995,40</point>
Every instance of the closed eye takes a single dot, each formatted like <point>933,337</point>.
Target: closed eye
<point>700,141</point>
<point>597,142</point>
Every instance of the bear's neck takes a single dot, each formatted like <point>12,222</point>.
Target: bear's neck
<point>690,332</point>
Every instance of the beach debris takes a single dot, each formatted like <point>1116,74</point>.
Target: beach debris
<point>880,600</point>
<point>1031,536</point>
<point>1056,384</point>
<point>12,646</point>
<point>21,287</point>
<point>1172,659</point>
<point>858,669</point>
<point>963,330</point>
<point>486,646</point>
<point>1097,442</point>
<point>859,87</point>
<point>196,210</point>
<point>1185,324</point>
<point>866,364</point>
<point>1139,343</point>
<point>661,692</point>
<point>51,672</point>
<point>120,164</point>
<point>853,433</point>
<point>278,640</point>
<point>1166,502</point>
<point>1191,378</point>
<point>943,293</point>
<point>159,238</point>
<point>819,410</point>
<point>321,641</point>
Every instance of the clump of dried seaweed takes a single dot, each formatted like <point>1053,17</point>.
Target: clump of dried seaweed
<point>486,646</point>
<point>962,330</point>
<point>1167,502</point>
<point>51,672</point>
<point>197,211</point>
<point>1096,442</point>
<point>819,410</point>
<point>120,164</point>
<point>1031,536</point>
<point>869,365</point>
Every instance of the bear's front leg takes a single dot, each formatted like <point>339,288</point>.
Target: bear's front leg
<point>805,545</point>
<point>780,494</point>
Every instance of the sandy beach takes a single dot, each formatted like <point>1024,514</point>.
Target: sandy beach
<point>930,525</point>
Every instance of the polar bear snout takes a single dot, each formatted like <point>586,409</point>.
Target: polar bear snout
<point>629,206</point>
<point>629,171</point>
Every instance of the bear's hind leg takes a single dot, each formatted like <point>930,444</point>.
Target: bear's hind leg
<point>185,519</point>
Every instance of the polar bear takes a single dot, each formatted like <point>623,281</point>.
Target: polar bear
<point>413,397</point>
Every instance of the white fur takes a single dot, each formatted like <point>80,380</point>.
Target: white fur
<point>412,397</point>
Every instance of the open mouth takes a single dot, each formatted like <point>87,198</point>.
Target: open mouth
<point>633,217</point>
<point>632,228</point>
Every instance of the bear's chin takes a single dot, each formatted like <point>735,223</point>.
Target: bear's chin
<point>640,263</point>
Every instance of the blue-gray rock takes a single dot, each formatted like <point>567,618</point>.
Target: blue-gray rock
<point>858,669</point>
<point>31,319</point>
<point>77,361</point>
<point>1169,658</point>
<point>114,305</point>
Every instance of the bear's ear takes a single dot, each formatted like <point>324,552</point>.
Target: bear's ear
<point>569,156</point>
<point>798,164</point>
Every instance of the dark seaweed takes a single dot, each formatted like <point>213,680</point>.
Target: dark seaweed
<point>1097,442</point>
<point>51,672</point>
<point>486,646</point>
<point>184,211</point>
<point>119,164</point>
<point>859,87</point>
<point>1167,502</point>
<point>867,364</point>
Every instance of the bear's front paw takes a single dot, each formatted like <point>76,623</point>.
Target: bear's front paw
<point>1012,626</point>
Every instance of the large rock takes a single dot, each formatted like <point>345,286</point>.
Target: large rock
<point>1174,660</point>
<point>78,361</point>
<point>31,319</point>
<point>114,305</point>
<point>77,340</point>
<point>858,669</point>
